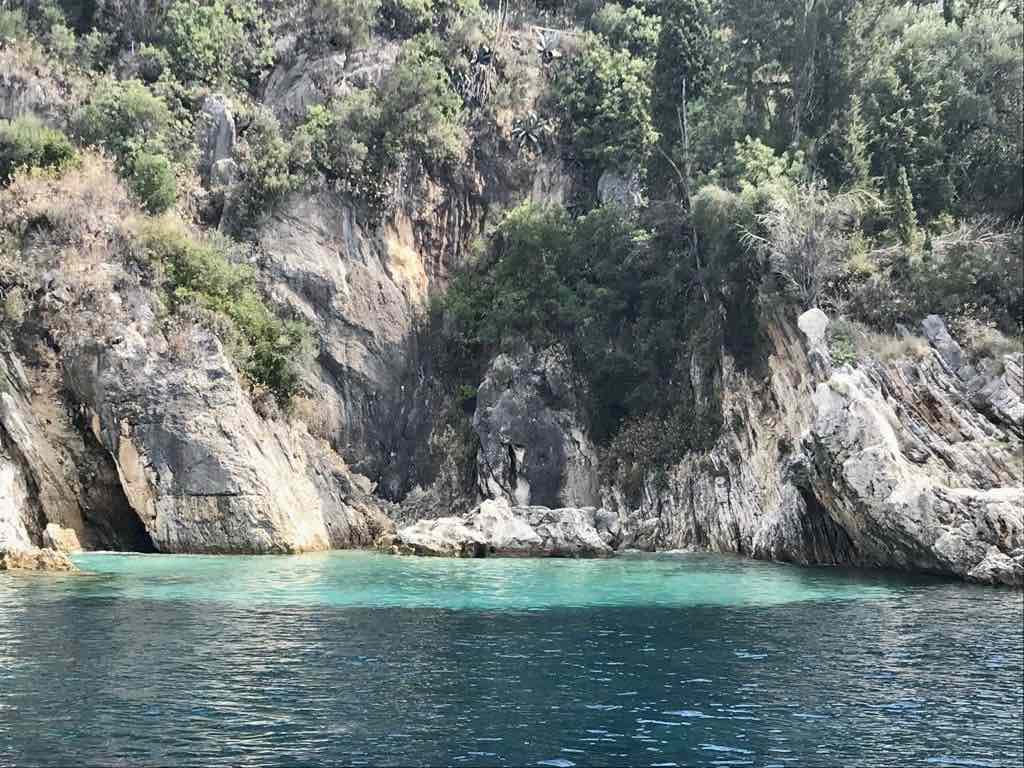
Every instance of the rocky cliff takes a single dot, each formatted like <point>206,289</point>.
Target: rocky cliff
<point>133,429</point>
<point>912,463</point>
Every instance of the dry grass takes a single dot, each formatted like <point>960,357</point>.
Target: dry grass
<point>850,341</point>
<point>70,232</point>
<point>982,341</point>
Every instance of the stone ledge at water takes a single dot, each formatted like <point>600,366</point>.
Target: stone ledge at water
<point>35,560</point>
<point>496,528</point>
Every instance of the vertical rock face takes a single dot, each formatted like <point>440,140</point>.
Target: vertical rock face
<point>216,134</point>
<point>742,495</point>
<point>202,470</point>
<point>360,290</point>
<point>534,449</point>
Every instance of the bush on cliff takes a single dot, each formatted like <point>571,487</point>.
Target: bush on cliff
<point>199,274</point>
<point>27,143</point>
<point>123,117</point>
<point>153,183</point>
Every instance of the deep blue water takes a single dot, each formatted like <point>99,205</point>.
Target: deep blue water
<point>353,658</point>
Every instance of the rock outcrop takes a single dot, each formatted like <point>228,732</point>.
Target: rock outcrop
<point>159,405</point>
<point>35,559</point>
<point>912,463</point>
<point>534,447</point>
<point>496,528</point>
<point>914,473</point>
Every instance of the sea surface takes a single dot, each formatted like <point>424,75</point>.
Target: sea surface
<point>352,658</point>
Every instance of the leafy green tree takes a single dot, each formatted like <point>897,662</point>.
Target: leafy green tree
<point>605,95</point>
<point>631,28</point>
<point>855,168</point>
<point>217,42</point>
<point>680,76</point>
<point>945,102</point>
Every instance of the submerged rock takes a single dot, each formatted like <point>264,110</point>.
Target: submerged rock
<point>35,559</point>
<point>496,528</point>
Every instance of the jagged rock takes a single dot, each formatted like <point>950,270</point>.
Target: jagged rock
<point>300,82</point>
<point>35,560</point>
<point>60,539</point>
<point>896,512</point>
<point>552,182</point>
<point>495,528</point>
<point>202,470</point>
<point>567,532</point>
<point>28,87</point>
<point>217,134</point>
<point>814,325</point>
<point>949,351</point>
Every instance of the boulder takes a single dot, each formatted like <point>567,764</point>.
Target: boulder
<point>952,356</point>
<point>217,133</point>
<point>496,528</point>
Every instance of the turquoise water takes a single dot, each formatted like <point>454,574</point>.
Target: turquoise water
<point>357,658</point>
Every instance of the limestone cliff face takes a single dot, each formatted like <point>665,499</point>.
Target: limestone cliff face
<point>533,449</point>
<point>134,430</point>
<point>911,463</point>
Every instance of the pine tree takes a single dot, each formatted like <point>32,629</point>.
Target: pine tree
<point>853,147</point>
<point>681,73</point>
<point>903,208</point>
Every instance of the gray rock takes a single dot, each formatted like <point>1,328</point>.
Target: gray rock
<point>201,469</point>
<point>898,513</point>
<point>934,328</point>
<point>217,133</point>
<point>534,448</point>
<point>495,528</point>
<point>61,539</point>
<point>620,188</point>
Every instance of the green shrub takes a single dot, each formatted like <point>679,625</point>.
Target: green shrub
<point>420,109</point>
<point>338,140</point>
<point>343,24</point>
<point>123,117</point>
<point>267,173</point>
<point>266,348</point>
<point>26,142</point>
<point>218,42</point>
<point>629,28</point>
<point>407,18</point>
<point>153,182</point>
<point>12,24</point>
<point>358,142</point>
